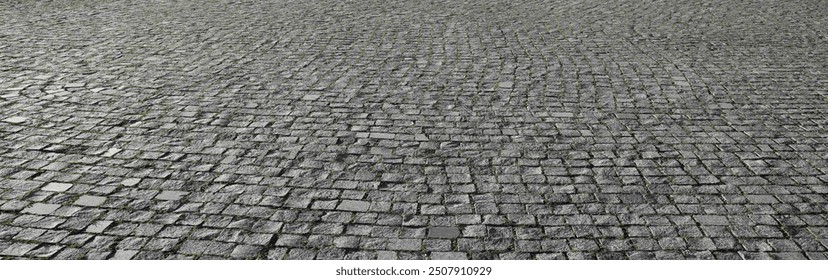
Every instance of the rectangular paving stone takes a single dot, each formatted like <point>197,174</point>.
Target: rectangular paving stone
<point>18,249</point>
<point>353,205</point>
<point>246,251</point>
<point>124,254</point>
<point>57,187</point>
<point>171,195</point>
<point>41,208</point>
<point>387,255</point>
<point>711,220</point>
<point>448,256</point>
<point>90,200</point>
<point>380,135</point>
<point>443,232</point>
<point>98,226</point>
<point>111,152</point>
<point>404,244</point>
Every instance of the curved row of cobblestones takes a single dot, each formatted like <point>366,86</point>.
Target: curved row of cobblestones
<point>413,129</point>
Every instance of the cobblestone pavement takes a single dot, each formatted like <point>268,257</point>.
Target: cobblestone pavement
<point>411,129</point>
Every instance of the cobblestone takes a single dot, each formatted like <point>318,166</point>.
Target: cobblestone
<point>458,129</point>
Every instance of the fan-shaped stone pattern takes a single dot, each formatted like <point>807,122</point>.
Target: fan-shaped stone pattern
<point>419,129</point>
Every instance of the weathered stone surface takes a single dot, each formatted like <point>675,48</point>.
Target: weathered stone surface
<point>501,129</point>
<point>57,187</point>
<point>443,232</point>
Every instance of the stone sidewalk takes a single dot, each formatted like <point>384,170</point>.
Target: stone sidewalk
<point>413,129</point>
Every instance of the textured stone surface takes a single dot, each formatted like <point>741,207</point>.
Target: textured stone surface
<point>504,129</point>
<point>57,187</point>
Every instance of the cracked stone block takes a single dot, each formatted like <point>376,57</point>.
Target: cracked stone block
<point>171,195</point>
<point>443,232</point>
<point>90,200</point>
<point>353,205</point>
<point>41,208</point>
<point>15,120</point>
<point>57,187</point>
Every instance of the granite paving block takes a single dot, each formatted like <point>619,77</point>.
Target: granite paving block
<point>41,208</point>
<point>352,205</point>
<point>171,195</point>
<point>57,187</point>
<point>90,200</point>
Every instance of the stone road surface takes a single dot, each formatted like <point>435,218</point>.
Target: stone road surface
<point>413,129</point>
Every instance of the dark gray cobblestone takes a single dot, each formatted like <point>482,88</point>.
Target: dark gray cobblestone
<point>416,129</point>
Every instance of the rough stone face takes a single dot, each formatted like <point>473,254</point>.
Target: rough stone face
<point>130,182</point>
<point>171,195</point>
<point>351,205</point>
<point>454,129</point>
<point>41,208</point>
<point>90,200</point>
<point>443,232</point>
<point>57,187</point>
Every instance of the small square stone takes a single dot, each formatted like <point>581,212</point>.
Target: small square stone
<point>90,200</point>
<point>74,85</point>
<point>506,84</point>
<point>57,187</point>
<point>171,195</point>
<point>131,182</point>
<point>41,208</point>
<point>98,226</point>
<point>15,120</point>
